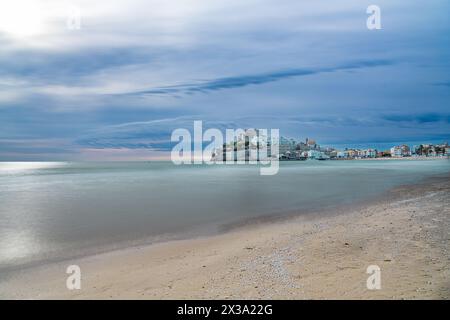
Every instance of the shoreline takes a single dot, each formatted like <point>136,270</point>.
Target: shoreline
<point>420,158</point>
<point>406,158</point>
<point>218,266</point>
<point>210,230</point>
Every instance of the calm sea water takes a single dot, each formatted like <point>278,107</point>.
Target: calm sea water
<point>63,209</point>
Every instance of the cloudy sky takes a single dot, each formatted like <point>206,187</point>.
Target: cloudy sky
<point>135,70</point>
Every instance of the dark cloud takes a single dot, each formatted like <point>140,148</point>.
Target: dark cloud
<point>442,84</point>
<point>418,118</point>
<point>256,79</point>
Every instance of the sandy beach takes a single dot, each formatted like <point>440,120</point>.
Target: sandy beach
<point>319,256</point>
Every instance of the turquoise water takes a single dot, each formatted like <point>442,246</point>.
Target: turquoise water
<point>63,209</point>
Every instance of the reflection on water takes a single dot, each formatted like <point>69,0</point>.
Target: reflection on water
<point>18,244</point>
<point>22,167</point>
<point>57,210</point>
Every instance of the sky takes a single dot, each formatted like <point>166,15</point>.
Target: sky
<point>116,87</point>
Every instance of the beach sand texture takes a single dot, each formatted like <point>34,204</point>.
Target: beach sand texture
<point>406,233</point>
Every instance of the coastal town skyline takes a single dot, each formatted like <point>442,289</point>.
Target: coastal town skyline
<point>249,140</point>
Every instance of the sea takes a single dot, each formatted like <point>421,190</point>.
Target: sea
<point>52,211</point>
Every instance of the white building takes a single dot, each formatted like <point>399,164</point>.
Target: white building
<point>400,151</point>
<point>315,154</point>
<point>342,154</point>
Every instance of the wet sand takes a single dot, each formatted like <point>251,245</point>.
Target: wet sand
<point>322,256</point>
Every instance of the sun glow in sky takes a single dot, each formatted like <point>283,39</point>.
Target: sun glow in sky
<point>21,18</point>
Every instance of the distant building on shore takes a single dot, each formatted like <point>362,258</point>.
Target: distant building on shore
<point>400,151</point>
<point>287,145</point>
<point>250,145</point>
<point>430,150</point>
<point>369,153</point>
<point>317,155</point>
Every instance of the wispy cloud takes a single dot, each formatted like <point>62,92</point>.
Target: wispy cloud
<point>418,118</point>
<point>153,134</point>
<point>256,79</point>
